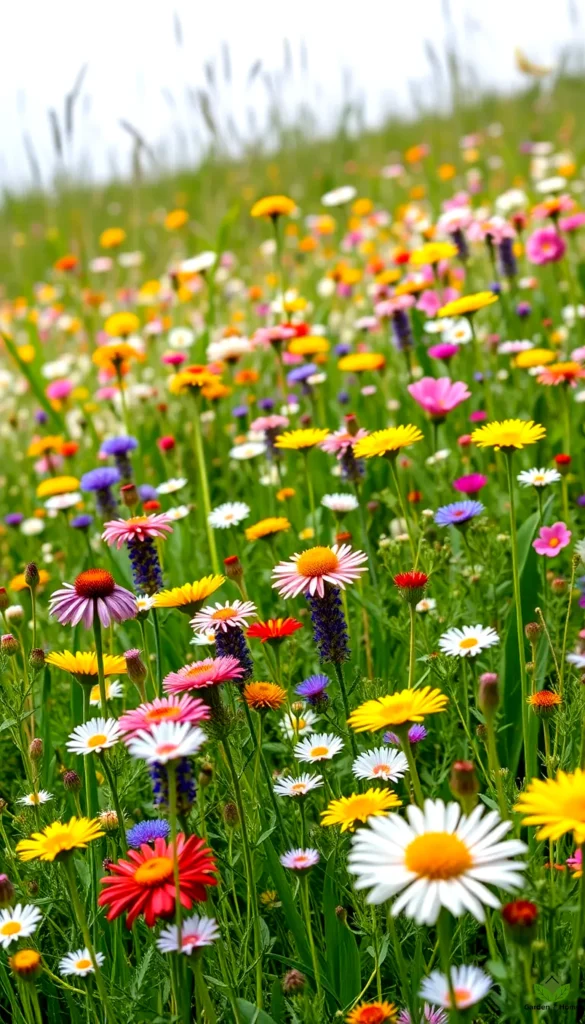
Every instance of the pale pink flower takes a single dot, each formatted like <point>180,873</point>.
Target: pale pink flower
<point>438,397</point>
<point>341,440</point>
<point>202,674</point>
<point>137,528</point>
<point>164,709</point>
<point>552,539</point>
<point>223,616</point>
<point>308,572</point>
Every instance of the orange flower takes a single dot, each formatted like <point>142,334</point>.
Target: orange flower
<point>111,238</point>
<point>68,262</point>
<point>176,219</point>
<point>264,696</point>
<point>273,206</point>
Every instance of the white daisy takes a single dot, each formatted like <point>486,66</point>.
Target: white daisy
<point>439,858</point>
<point>180,338</point>
<point>195,932</point>
<point>470,984</point>
<point>113,689</point>
<point>299,860</point>
<point>340,503</point>
<point>320,746</point>
<point>172,485</point>
<point>178,512</point>
<point>94,736</point>
<point>339,196</point>
<point>18,922</point>
<point>79,963</point>
<point>144,603</point>
<point>538,477</point>
<point>205,639</point>
<point>511,348</point>
<point>198,264</point>
<point>289,786</point>
<point>578,660</point>
<point>167,741</point>
<point>458,333</point>
<point>36,799</point>
<point>229,514</point>
<point>228,349</point>
<point>426,604</point>
<point>467,641</point>
<point>383,763</point>
<point>61,502</point>
<point>32,527</point>
<point>295,724</point>
<point>248,450</point>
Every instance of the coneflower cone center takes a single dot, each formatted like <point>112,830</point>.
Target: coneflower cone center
<point>438,856</point>
<point>153,871</point>
<point>94,583</point>
<point>318,561</point>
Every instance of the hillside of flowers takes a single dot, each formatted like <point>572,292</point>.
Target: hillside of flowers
<point>292,566</point>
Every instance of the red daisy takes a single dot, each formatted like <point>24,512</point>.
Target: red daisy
<point>411,585</point>
<point>274,629</point>
<point>144,883</point>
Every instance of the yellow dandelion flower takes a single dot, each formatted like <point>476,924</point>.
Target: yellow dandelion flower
<point>114,354</point>
<point>111,238</point>
<point>192,378</point>
<point>359,807</point>
<point>273,206</point>
<point>468,304</point>
<point>558,805</point>
<point>285,494</point>
<point>508,434</point>
<point>388,441</point>
<point>83,664</point>
<point>397,709</point>
<point>267,527</point>
<point>57,485</point>
<point>25,962</point>
<point>310,345</point>
<point>120,325</point>
<point>303,438</point>
<point>176,219</point>
<point>432,252</point>
<point>360,362</point>
<point>190,597</point>
<point>59,838</point>
<point>534,357</point>
<point>51,444</point>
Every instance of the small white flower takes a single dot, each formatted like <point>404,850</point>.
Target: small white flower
<point>383,763</point>
<point>94,736</point>
<point>205,639</point>
<point>426,604</point>
<point>470,985</point>
<point>295,724</point>
<point>167,741</point>
<point>511,348</point>
<point>181,337</point>
<point>178,512</point>
<point>551,185</point>
<point>229,514</point>
<point>467,641</point>
<point>18,922</point>
<point>198,264</point>
<point>195,932</point>
<point>340,503</point>
<point>144,603</point>
<point>538,477</point>
<point>320,746</point>
<point>578,660</point>
<point>79,963</point>
<point>172,485</point>
<point>131,259</point>
<point>32,527</point>
<point>228,349</point>
<point>61,502</point>
<point>459,333</point>
<point>113,689</point>
<point>299,860</point>
<point>289,786</point>
<point>36,799</point>
<point>248,450</point>
<point>339,196</point>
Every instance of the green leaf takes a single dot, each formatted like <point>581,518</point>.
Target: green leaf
<point>277,1002</point>
<point>543,993</point>
<point>252,1014</point>
<point>293,918</point>
<point>561,994</point>
<point>343,958</point>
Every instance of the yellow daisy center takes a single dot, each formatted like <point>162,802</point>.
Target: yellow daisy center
<point>319,751</point>
<point>98,740</point>
<point>82,965</point>
<point>318,561</point>
<point>222,614</point>
<point>298,787</point>
<point>438,856</point>
<point>11,928</point>
<point>468,643</point>
<point>554,542</point>
<point>153,871</point>
<point>381,769</point>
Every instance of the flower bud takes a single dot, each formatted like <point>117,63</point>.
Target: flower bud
<point>14,614</point>
<point>205,774</point>
<point>4,599</point>
<point>9,645</point>
<point>233,568</point>
<point>71,781</point>
<point>26,963</point>
<point>31,576</point>
<point>341,914</point>
<point>3,805</point>
<point>558,585</point>
<point>351,424</point>
<point>33,887</point>
<point>36,749</point>
<point>464,784</point>
<point>563,463</point>
<point>109,821</point>
<point>489,693</point>
<point>294,981</point>
<point>520,920</point>
<point>136,670</point>
<point>36,659</point>
<point>230,814</point>
<point>129,495</point>
<point>532,631</point>
<point>6,892</point>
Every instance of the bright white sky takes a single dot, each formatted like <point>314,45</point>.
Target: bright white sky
<point>134,61</point>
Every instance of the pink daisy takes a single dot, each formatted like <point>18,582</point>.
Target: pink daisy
<point>94,592</point>
<point>438,397</point>
<point>545,246</point>
<point>164,709</point>
<point>273,422</point>
<point>309,571</point>
<point>201,674</point>
<point>120,531</point>
<point>552,539</point>
<point>299,860</point>
<point>223,616</point>
<point>340,440</point>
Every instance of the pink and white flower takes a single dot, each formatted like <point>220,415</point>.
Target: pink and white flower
<point>195,932</point>
<point>224,616</point>
<point>164,709</point>
<point>137,528</point>
<point>166,742</point>
<point>552,539</point>
<point>308,572</point>
<point>300,860</point>
<point>94,592</point>
<point>199,675</point>
<point>438,397</point>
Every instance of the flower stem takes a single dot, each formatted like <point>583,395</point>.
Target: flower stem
<point>403,512</point>
<point>116,800</point>
<point>200,460</point>
<point>306,904</point>
<point>99,652</point>
<point>157,648</point>
<point>344,697</point>
<point>578,936</point>
<point>494,764</point>
<point>529,766</point>
<point>402,734</point>
<point>444,937</point>
<point>412,651</point>
<point>201,991</point>
<point>69,869</point>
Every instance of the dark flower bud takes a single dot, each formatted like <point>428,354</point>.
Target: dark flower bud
<point>233,568</point>
<point>520,919</point>
<point>489,693</point>
<point>3,805</point>
<point>36,749</point>
<point>9,645</point>
<point>532,631</point>
<point>293,981</point>
<point>481,731</point>
<point>33,886</point>
<point>36,659</point>
<point>464,784</point>
<point>341,914</point>
<point>4,599</point>
<point>558,585</point>
<point>230,815</point>
<point>71,781</point>
<point>129,495</point>
<point>107,863</point>
<point>205,774</point>
<point>31,576</point>
<point>6,891</point>
<point>351,424</point>
<point>136,670</point>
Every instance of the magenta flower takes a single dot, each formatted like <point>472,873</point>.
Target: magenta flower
<point>444,350</point>
<point>164,709</point>
<point>552,539</point>
<point>545,246</point>
<point>573,222</point>
<point>430,303</point>
<point>438,397</point>
<point>202,674</point>
<point>470,484</point>
<point>120,531</point>
<point>94,592</point>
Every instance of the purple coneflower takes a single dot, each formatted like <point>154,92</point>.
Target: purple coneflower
<point>94,592</point>
<point>313,689</point>
<point>416,733</point>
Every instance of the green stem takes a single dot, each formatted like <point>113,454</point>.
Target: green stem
<point>201,990</point>
<point>578,936</point>
<point>200,460</point>
<point>403,512</point>
<point>310,490</point>
<point>267,775</point>
<point>529,757</point>
<point>158,652</point>
<point>402,968</point>
<point>366,539</point>
<point>306,903</point>
<point>344,697</point>
<point>411,651</point>
<point>402,733</point>
<point>494,764</point>
<point>99,651</point>
<point>116,800</point>
<point>444,937</point>
<point>69,868</point>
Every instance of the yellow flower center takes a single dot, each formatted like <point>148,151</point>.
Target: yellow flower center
<point>438,856</point>
<point>153,871</point>
<point>198,670</point>
<point>319,751</point>
<point>554,542</point>
<point>98,740</point>
<point>462,995</point>
<point>222,614</point>
<point>298,787</point>
<point>381,769</point>
<point>11,928</point>
<point>317,562</point>
<point>82,965</point>
<point>163,714</point>
<point>468,643</point>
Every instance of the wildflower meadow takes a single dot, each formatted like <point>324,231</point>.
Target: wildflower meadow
<point>292,566</point>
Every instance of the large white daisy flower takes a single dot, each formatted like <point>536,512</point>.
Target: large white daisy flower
<point>18,922</point>
<point>289,786</point>
<point>383,763</point>
<point>439,858</point>
<point>470,984</point>
<point>167,741</point>
<point>467,641</point>
<point>340,503</point>
<point>538,477</point>
<point>229,514</point>
<point>320,746</point>
<point>94,736</point>
<point>295,724</point>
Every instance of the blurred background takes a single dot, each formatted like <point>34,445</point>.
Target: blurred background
<point>98,92</point>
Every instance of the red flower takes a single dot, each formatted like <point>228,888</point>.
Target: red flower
<point>563,460</point>
<point>151,506</point>
<point>520,918</point>
<point>144,883</point>
<point>274,629</point>
<point>412,580</point>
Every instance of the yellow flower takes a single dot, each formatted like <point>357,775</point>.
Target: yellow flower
<point>190,596</point>
<point>307,534</point>
<point>273,206</point>
<point>310,345</point>
<point>303,438</point>
<point>468,304</point>
<point>84,663</point>
<point>359,807</point>
<point>557,804</point>
<point>176,219</point>
<point>372,1013</point>
<point>389,276</point>
<point>362,207</point>
<point>120,325</point>
<point>18,582</point>
<point>285,494</point>
<point>534,357</point>
<point>26,353</point>
<point>115,354</point>
<point>508,434</point>
<point>25,962</point>
<point>390,440</point>
<point>359,362</point>
<point>59,838</point>
<point>192,377</point>
<point>432,252</point>
<point>267,527</point>
<point>41,445</point>
<point>57,485</point>
<point>397,709</point>
<point>264,696</point>
<point>112,237</point>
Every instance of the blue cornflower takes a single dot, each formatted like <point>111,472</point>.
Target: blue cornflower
<point>147,832</point>
<point>81,522</point>
<point>120,448</point>
<point>147,492</point>
<point>300,374</point>
<point>313,689</point>
<point>13,518</point>
<point>101,481</point>
<point>239,412</point>
<point>458,512</point>
<point>266,404</point>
